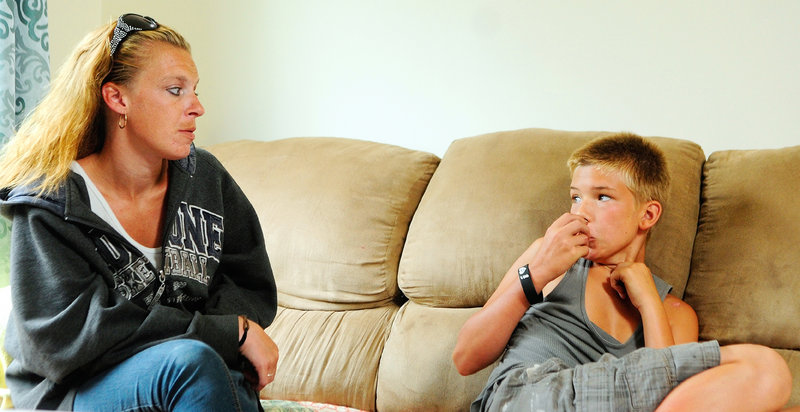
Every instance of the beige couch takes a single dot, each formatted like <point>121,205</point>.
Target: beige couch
<point>381,253</point>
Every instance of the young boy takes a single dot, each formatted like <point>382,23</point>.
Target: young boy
<point>582,324</point>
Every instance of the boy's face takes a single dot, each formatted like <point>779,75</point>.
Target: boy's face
<point>612,215</point>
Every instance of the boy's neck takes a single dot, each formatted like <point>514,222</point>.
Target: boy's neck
<point>634,252</point>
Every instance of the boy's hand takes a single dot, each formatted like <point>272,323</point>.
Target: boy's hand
<point>562,245</point>
<point>634,281</point>
<point>665,323</point>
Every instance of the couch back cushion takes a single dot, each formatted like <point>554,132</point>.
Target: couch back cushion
<point>334,213</point>
<point>494,194</point>
<point>744,282</point>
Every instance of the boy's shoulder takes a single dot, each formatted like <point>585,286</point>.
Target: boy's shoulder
<point>682,319</point>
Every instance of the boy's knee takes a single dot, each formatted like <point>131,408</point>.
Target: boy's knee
<point>764,367</point>
<point>772,363</point>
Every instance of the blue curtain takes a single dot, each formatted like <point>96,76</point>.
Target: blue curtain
<point>24,78</point>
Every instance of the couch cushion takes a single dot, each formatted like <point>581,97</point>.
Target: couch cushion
<point>492,195</point>
<point>792,358</point>
<point>416,368</point>
<point>329,356</point>
<point>334,212</point>
<point>744,281</point>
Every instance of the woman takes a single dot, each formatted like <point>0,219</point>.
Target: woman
<point>139,273</point>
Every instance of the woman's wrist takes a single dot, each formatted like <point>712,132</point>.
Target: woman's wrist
<point>245,327</point>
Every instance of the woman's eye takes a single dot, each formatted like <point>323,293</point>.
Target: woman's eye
<point>175,91</point>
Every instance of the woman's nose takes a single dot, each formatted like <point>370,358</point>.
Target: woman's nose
<point>196,109</point>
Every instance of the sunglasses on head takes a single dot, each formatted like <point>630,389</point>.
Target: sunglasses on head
<point>127,23</point>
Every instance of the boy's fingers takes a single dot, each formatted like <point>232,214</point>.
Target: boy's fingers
<point>619,287</point>
<point>615,280</point>
<point>568,218</point>
<point>575,227</point>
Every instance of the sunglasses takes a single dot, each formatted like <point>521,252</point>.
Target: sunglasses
<point>127,23</point>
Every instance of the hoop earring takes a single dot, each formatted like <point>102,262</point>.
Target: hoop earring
<point>123,121</point>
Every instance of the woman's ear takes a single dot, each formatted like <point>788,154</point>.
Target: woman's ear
<point>113,96</point>
<point>650,214</point>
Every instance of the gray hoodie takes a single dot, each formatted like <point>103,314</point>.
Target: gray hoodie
<point>85,299</point>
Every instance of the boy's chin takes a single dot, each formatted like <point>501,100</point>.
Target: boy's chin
<point>597,257</point>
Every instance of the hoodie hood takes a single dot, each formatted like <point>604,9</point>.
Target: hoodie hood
<point>58,202</point>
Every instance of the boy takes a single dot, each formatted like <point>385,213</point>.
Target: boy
<point>570,316</point>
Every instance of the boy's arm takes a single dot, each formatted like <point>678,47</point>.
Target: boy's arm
<point>484,336</point>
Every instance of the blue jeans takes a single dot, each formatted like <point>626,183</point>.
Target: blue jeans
<point>179,375</point>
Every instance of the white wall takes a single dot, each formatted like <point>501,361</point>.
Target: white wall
<point>422,73</point>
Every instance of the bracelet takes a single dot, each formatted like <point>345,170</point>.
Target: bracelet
<point>246,327</point>
<point>528,287</point>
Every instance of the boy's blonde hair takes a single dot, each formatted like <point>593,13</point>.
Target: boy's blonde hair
<point>640,162</point>
<point>69,123</point>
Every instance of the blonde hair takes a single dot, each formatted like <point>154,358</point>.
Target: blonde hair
<point>69,124</point>
<point>640,162</point>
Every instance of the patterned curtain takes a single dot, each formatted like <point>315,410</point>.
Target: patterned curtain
<point>24,78</point>
<point>24,60</point>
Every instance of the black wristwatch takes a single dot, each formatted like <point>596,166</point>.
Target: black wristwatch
<point>528,287</point>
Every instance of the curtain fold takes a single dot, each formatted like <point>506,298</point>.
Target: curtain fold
<point>24,79</point>
<point>24,60</point>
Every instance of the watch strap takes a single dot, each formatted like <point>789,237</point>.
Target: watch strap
<point>527,285</point>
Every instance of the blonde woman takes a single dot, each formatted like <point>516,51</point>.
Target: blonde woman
<point>139,273</point>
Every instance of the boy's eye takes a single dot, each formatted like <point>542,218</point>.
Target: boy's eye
<point>175,91</point>
<point>603,198</point>
<point>576,199</point>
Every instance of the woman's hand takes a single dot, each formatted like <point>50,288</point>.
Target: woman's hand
<point>262,352</point>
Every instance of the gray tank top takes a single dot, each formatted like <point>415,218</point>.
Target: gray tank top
<point>559,327</point>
